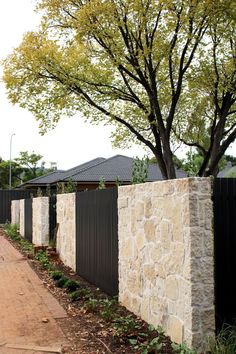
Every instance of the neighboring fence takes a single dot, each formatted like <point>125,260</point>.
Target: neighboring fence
<point>224,198</point>
<point>28,219</point>
<point>6,196</point>
<point>97,238</point>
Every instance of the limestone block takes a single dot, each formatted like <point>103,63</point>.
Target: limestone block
<point>66,235</point>
<point>150,229</point>
<point>15,212</point>
<point>175,329</point>
<point>40,221</point>
<point>172,288</point>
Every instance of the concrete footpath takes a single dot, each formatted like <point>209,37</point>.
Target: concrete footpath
<point>28,312</point>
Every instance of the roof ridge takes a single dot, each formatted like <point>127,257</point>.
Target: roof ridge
<point>86,168</point>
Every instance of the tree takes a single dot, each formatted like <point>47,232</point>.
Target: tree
<point>4,174</point>
<point>30,164</point>
<point>162,72</point>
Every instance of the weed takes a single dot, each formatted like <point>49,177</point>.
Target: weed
<point>60,283</point>
<point>71,285</point>
<point>224,342</point>
<point>56,275</point>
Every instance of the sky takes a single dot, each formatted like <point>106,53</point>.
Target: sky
<point>73,141</point>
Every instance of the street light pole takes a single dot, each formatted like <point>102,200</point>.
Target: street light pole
<point>10,160</point>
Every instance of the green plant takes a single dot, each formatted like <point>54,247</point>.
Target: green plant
<point>140,170</point>
<point>182,349</point>
<point>224,342</point>
<point>108,308</point>
<point>91,305</point>
<point>60,283</point>
<point>71,285</point>
<point>56,275</point>
<point>12,231</point>
<point>153,346</point>
<point>42,257</point>
<point>101,184</point>
<point>125,325</point>
<point>81,293</point>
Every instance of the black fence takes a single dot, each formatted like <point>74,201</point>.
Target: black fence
<point>224,199</point>
<point>28,219</point>
<point>52,217</point>
<point>6,196</point>
<point>97,238</point>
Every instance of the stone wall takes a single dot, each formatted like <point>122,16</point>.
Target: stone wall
<point>22,217</point>
<point>66,235</point>
<point>40,222</point>
<point>166,256</point>
<point>15,212</point>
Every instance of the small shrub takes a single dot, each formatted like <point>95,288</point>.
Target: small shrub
<point>60,283</point>
<point>56,275</point>
<point>71,285</point>
<point>91,305</point>
<point>182,349</point>
<point>108,308</point>
<point>125,325</point>
<point>42,257</point>
<point>12,231</point>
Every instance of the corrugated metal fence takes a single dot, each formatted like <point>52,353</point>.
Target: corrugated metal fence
<point>28,219</point>
<point>97,238</point>
<point>224,199</point>
<point>6,196</point>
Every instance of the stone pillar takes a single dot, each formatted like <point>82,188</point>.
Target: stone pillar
<point>40,221</point>
<point>22,217</point>
<point>166,256</point>
<point>15,212</point>
<point>66,234</point>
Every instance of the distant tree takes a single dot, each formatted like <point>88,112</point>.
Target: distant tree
<point>31,164</point>
<point>17,174</point>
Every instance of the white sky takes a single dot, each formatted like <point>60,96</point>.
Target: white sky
<point>73,141</point>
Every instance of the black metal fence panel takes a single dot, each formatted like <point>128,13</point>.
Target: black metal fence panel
<point>6,196</point>
<point>224,199</point>
<point>28,219</point>
<point>52,216</point>
<point>97,238</point>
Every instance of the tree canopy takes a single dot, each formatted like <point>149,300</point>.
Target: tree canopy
<point>163,72</point>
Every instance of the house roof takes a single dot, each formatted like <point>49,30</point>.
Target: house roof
<point>59,175</point>
<point>49,178</point>
<point>80,168</point>
<point>116,167</point>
